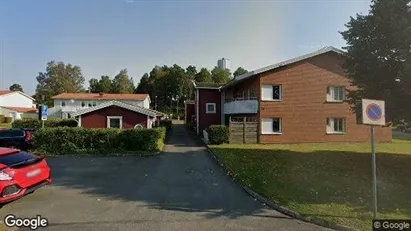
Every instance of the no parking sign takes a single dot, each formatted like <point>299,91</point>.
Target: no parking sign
<point>373,112</point>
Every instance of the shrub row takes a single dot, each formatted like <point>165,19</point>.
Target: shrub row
<point>218,134</point>
<point>50,123</point>
<point>5,119</point>
<point>69,140</point>
<point>166,123</point>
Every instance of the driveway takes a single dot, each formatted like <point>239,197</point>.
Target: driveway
<point>182,189</point>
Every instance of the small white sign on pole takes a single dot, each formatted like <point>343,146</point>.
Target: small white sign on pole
<point>373,112</point>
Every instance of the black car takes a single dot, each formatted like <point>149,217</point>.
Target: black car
<point>16,138</point>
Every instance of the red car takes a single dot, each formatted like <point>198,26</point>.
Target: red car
<point>21,173</point>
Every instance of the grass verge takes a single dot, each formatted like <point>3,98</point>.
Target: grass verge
<point>328,181</point>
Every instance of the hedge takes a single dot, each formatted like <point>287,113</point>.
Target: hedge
<point>218,134</point>
<point>74,140</point>
<point>34,123</point>
<point>166,123</point>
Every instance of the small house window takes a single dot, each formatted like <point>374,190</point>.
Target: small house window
<point>271,126</point>
<point>114,121</point>
<point>94,104</point>
<point>63,103</point>
<point>83,104</point>
<point>335,94</point>
<point>335,125</point>
<point>210,108</point>
<point>89,104</point>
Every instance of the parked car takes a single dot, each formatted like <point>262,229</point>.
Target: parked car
<point>21,173</point>
<point>16,138</point>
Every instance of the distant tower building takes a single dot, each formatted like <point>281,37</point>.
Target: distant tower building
<point>223,63</point>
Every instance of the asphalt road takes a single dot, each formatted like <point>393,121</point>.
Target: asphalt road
<point>180,190</point>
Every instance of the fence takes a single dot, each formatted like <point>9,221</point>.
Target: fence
<point>243,130</point>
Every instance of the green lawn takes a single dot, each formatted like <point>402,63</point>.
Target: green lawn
<point>329,181</point>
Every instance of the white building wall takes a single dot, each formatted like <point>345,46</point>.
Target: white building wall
<point>16,99</point>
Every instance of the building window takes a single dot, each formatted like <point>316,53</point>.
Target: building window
<point>114,121</point>
<point>83,104</point>
<point>251,93</point>
<point>89,104</point>
<point>210,108</point>
<point>335,94</point>
<point>94,104</point>
<point>335,125</point>
<point>271,126</point>
<point>271,92</point>
<point>63,103</point>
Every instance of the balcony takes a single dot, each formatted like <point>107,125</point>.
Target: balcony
<point>241,106</point>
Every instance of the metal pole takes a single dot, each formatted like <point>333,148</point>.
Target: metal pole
<point>42,123</point>
<point>374,172</point>
<point>178,114</point>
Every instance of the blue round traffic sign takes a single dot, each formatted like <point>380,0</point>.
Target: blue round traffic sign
<point>374,112</point>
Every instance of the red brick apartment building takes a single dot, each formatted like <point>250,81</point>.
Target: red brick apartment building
<point>295,101</point>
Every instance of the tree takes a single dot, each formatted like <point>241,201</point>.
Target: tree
<point>378,59</point>
<point>122,83</point>
<point>58,78</point>
<point>144,84</point>
<point>203,76</point>
<point>94,85</point>
<point>191,71</point>
<point>239,71</point>
<point>106,84</point>
<point>220,75</point>
<point>16,87</point>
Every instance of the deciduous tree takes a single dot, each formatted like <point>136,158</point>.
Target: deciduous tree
<point>379,56</point>
<point>16,87</point>
<point>58,78</point>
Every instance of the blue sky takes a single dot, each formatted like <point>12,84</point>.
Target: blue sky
<point>105,36</point>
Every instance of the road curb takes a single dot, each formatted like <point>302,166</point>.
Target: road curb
<point>274,205</point>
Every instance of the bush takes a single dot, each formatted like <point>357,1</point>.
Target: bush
<point>218,134</point>
<point>72,140</point>
<point>34,123</point>
<point>1,118</point>
<point>7,120</point>
<point>166,123</point>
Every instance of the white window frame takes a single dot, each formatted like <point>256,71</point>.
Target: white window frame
<point>267,92</point>
<point>267,126</point>
<point>330,122</point>
<point>211,111</point>
<point>114,117</point>
<point>332,94</point>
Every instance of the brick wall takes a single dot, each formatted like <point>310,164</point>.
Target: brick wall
<point>304,109</point>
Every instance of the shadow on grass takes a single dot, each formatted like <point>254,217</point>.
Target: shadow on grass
<point>322,179</point>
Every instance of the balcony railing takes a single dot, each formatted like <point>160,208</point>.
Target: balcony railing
<point>241,106</point>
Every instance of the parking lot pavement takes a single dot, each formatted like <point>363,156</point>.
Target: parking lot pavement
<point>180,190</point>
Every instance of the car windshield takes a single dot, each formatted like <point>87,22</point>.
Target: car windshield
<point>15,158</point>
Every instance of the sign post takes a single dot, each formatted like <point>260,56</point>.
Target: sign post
<point>44,113</point>
<point>373,114</point>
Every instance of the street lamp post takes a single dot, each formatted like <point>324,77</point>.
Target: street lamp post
<point>178,114</point>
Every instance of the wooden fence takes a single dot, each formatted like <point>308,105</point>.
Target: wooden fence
<point>243,132</point>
